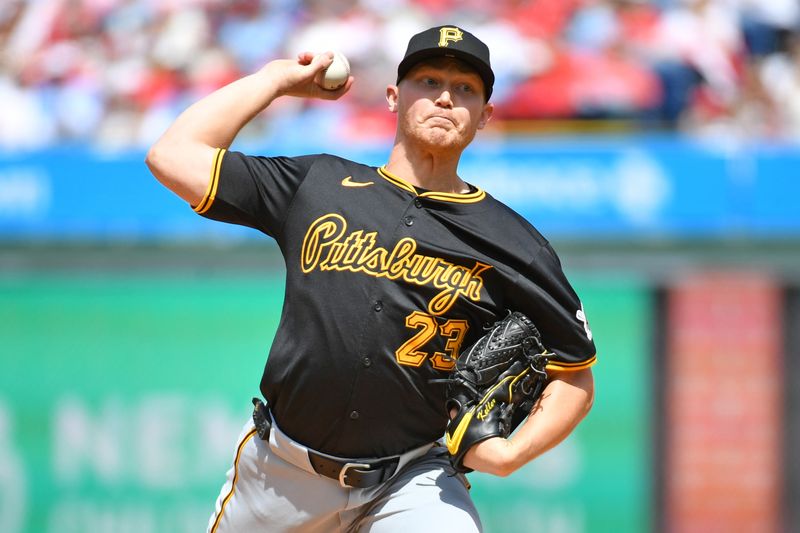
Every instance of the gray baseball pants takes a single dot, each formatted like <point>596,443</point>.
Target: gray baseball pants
<point>272,487</point>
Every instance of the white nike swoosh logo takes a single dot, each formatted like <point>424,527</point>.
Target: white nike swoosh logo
<point>348,182</point>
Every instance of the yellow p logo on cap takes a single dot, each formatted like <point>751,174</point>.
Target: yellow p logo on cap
<point>447,34</point>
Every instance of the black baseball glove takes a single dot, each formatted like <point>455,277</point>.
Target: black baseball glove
<point>494,385</point>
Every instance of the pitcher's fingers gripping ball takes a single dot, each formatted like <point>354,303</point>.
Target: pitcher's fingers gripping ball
<point>337,73</point>
<point>494,385</point>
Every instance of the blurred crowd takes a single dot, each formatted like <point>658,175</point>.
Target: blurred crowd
<point>115,73</point>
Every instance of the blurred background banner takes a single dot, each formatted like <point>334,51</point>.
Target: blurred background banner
<point>115,415</point>
<point>571,189</point>
<point>655,143</point>
<point>121,418</point>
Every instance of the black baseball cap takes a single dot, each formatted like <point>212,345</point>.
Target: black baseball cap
<point>449,41</point>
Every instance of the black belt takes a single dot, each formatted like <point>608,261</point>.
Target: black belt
<point>355,473</point>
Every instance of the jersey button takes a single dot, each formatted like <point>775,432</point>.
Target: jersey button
<point>409,221</point>
<point>353,415</point>
<point>417,203</point>
<point>366,361</point>
<point>378,306</point>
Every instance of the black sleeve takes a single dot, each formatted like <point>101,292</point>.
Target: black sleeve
<point>253,191</point>
<point>546,296</point>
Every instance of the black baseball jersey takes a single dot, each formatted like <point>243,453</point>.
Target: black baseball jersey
<point>385,284</point>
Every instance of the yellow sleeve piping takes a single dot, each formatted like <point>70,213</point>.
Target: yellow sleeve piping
<point>570,367</point>
<point>213,183</point>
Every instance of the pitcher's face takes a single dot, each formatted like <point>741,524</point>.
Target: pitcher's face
<point>440,103</point>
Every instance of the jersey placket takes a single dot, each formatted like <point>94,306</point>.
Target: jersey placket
<point>371,356</point>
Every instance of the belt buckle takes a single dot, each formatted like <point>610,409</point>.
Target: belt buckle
<point>345,468</point>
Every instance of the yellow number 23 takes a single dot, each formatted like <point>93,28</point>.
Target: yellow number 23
<point>410,352</point>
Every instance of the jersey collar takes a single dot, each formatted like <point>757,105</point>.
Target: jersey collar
<point>467,198</point>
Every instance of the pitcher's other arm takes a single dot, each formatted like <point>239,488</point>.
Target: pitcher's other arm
<point>565,401</point>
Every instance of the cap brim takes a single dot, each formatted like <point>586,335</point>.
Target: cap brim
<point>486,74</point>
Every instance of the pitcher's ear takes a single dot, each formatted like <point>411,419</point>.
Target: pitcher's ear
<point>392,94</point>
<point>486,115</point>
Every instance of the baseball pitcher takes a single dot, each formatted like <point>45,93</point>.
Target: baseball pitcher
<point>428,330</point>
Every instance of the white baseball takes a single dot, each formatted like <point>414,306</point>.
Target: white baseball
<point>337,73</point>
